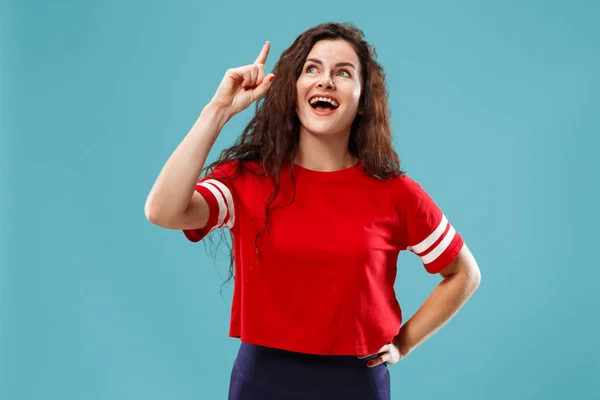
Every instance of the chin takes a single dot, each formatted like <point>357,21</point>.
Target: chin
<point>322,129</point>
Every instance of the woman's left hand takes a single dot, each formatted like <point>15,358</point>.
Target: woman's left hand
<point>391,355</point>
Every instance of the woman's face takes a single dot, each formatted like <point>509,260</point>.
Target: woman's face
<point>331,70</point>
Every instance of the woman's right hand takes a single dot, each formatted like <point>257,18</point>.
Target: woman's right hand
<point>242,86</point>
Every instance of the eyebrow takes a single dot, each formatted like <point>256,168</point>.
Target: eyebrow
<point>342,64</point>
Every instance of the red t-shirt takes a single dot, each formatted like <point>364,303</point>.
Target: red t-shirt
<point>323,282</point>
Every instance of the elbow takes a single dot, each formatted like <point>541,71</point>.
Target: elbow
<point>152,213</point>
<point>470,270</point>
<point>162,216</point>
<point>477,279</point>
<point>473,277</point>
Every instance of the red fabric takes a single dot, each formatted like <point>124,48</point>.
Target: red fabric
<point>323,282</point>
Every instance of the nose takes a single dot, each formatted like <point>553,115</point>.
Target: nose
<point>325,82</point>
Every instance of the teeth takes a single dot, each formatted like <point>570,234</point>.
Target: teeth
<point>327,99</point>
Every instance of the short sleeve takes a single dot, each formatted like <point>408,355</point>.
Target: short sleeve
<point>429,233</point>
<point>217,188</point>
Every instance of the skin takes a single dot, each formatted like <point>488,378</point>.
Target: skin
<point>332,68</point>
<point>323,146</point>
<point>460,280</point>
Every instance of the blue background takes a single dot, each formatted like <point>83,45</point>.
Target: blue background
<point>495,111</point>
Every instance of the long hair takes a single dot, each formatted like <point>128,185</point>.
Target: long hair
<point>271,137</point>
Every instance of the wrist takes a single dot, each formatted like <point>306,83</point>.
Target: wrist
<point>212,119</point>
<point>219,111</point>
<point>401,345</point>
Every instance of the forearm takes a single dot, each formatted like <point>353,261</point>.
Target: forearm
<point>173,189</point>
<point>439,307</point>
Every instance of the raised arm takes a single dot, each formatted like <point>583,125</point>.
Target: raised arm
<point>173,203</point>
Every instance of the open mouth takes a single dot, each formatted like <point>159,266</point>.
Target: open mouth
<point>323,105</point>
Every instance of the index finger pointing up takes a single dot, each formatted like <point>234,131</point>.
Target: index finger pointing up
<point>262,57</point>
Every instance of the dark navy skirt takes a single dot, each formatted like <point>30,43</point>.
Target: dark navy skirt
<point>263,373</point>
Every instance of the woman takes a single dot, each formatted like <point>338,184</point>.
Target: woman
<point>319,209</point>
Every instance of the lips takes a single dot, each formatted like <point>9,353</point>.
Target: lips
<point>323,113</point>
<point>333,101</point>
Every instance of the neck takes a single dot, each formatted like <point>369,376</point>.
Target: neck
<point>324,153</point>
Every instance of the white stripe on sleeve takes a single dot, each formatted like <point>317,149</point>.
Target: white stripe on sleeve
<point>228,198</point>
<point>225,204</point>
<point>440,248</point>
<point>431,239</point>
<point>220,202</point>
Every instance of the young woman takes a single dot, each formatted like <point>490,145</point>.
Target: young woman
<point>319,210</point>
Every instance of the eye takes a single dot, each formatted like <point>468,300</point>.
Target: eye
<point>312,66</point>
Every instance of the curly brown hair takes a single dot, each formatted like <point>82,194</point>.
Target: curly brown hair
<point>271,137</point>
